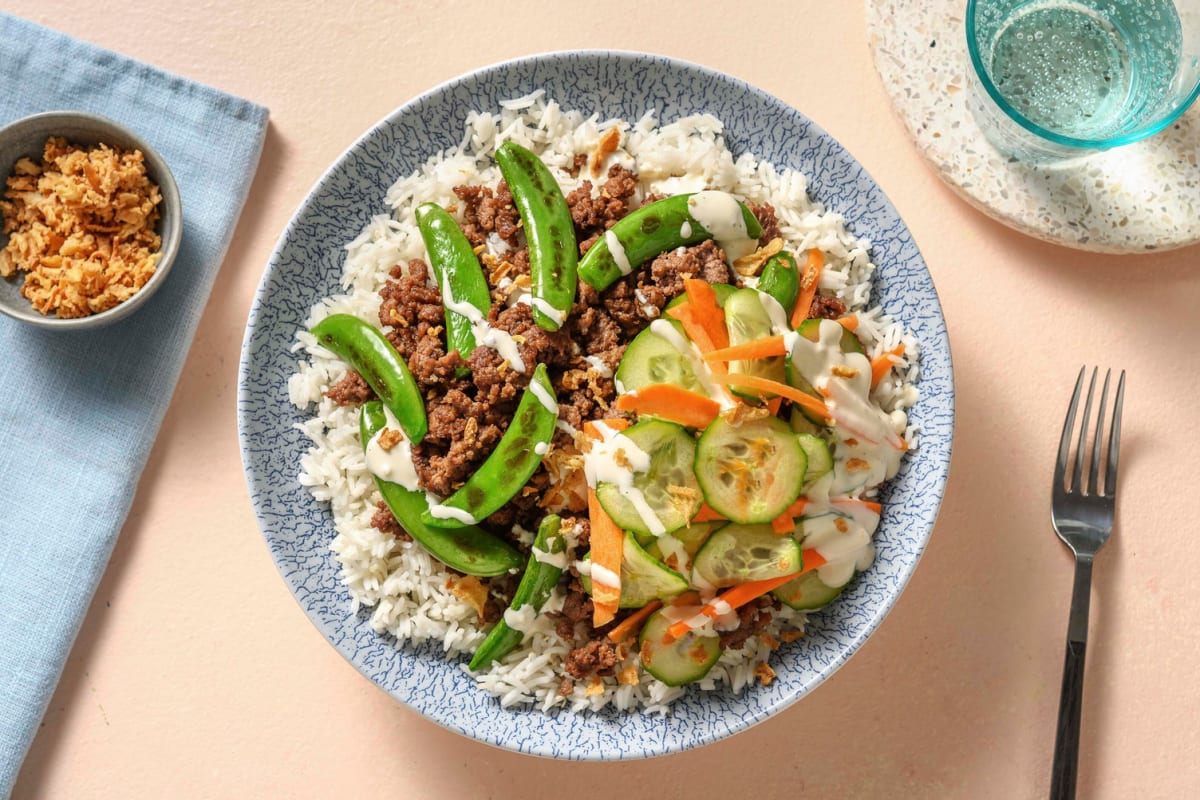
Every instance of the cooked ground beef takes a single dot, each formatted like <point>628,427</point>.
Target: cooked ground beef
<point>765,214</point>
<point>705,260</point>
<point>597,656</point>
<point>752,617</point>
<point>351,390</point>
<point>595,213</point>
<point>386,522</point>
<point>826,307</point>
<point>410,306</point>
<point>486,211</point>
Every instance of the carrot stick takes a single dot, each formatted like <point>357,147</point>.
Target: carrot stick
<point>671,402</point>
<point>810,274</point>
<point>849,322</point>
<point>707,514</point>
<point>741,594</point>
<point>773,405</point>
<point>765,385</point>
<point>608,542</point>
<point>686,315</point>
<point>707,312</point>
<point>786,522</point>
<point>629,626</point>
<point>767,347</point>
<point>882,363</point>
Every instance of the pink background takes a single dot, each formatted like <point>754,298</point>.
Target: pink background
<point>196,674</point>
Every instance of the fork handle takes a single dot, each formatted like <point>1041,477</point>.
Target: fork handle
<point>1070,703</point>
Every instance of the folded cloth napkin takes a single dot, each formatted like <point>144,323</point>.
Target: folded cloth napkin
<point>79,411</point>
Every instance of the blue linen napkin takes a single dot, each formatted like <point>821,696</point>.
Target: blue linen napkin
<point>80,410</point>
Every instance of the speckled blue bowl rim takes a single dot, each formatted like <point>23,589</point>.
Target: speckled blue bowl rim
<point>297,529</point>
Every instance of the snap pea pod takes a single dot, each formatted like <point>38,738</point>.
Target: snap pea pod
<point>368,351</point>
<point>553,253</point>
<point>470,550</point>
<point>645,233</point>
<point>458,274</point>
<point>780,278</point>
<point>534,590</point>
<point>510,465</point>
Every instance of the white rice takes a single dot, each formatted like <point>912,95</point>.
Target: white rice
<point>404,586</point>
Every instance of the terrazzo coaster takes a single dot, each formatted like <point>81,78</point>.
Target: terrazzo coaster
<point>1133,199</point>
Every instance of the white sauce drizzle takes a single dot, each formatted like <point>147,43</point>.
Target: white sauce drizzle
<point>544,396</point>
<point>439,511</point>
<point>559,560</point>
<point>618,252</point>
<point>775,312</point>
<point>685,230</point>
<point>541,448</point>
<point>600,466</point>
<point>566,428</point>
<point>605,577</point>
<point>551,313</point>
<point>520,619</point>
<point>485,335</point>
<point>599,366</point>
<point>395,465</point>
<point>720,215</point>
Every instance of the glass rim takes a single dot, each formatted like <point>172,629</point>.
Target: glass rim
<point>1069,141</point>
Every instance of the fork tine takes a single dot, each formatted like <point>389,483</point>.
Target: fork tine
<point>1077,477</point>
<point>1094,472</point>
<point>1064,445</point>
<point>1114,441</point>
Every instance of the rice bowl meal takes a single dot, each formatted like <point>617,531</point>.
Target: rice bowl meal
<point>602,408</point>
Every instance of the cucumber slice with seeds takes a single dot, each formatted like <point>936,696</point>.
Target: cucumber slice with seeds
<point>643,577</point>
<point>750,471</point>
<point>685,660</point>
<point>669,487</point>
<point>650,359</point>
<point>690,539</point>
<point>744,553</point>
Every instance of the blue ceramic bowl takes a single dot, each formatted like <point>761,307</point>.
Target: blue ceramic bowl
<point>306,266</point>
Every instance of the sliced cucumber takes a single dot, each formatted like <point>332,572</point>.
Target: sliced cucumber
<point>672,452</point>
<point>810,329</point>
<point>747,320</point>
<point>685,660</point>
<point>650,359</point>
<point>744,553</point>
<point>820,460</point>
<point>643,577</point>
<point>807,592</point>
<point>802,424</point>
<point>750,471</point>
<point>690,539</point>
<point>721,290</point>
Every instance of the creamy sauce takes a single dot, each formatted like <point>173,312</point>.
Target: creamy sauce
<point>617,250</point>
<point>666,330</point>
<point>567,428</point>
<point>541,448</point>
<point>395,465</point>
<point>544,396</point>
<point>605,577</point>
<point>485,335</point>
<point>599,366</point>
<point>521,619</point>
<point>439,511</point>
<point>542,305</point>
<point>775,313</point>
<point>720,215</point>
<point>685,230</point>
<point>648,311</point>
<point>600,465</point>
<point>559,560</point>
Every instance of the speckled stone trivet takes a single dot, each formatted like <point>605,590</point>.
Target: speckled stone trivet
<point>1144,196</point>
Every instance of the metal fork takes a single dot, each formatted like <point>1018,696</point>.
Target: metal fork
<point>1083,519</point>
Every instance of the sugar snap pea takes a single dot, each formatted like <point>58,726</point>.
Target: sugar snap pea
<point>510,465</point>
<point>534,590</point>
<point>470,550</point>
<point>780,278</point>
<point>645,233</point>
<point>367,350</point>
<point>553,253</point>
<point>458,274</point>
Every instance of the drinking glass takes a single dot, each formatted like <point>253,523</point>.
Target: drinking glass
<point>1061,78</point>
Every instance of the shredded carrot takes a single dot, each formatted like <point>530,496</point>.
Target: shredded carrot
<point>849,322</point>
<point>767,347</point>
<point>608,542</point>
<point>741,594</point>
<point>773,405</point>
<point>686,315</point>
<point>671,402</point>
<point>786,522</point>
<point>629,626</point>
<point>707,514</point>
<point>810,274</point>
<point>882,363</point>
<point>707,311</point>
<point>765,385</point>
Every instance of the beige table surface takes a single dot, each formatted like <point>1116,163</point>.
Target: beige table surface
<point>196,675</point>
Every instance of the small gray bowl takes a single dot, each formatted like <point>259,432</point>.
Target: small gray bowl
<point>27,137</point>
